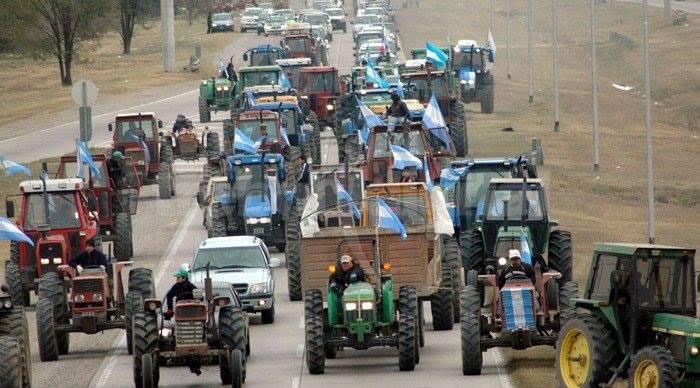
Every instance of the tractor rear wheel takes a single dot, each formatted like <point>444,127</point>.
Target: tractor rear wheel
<point>292,252</point>
<point>46,335</point>
<point>567,309</point>
<point>122,236</point>
<point>148,371</point>
<point>408,306</point>
<point>10,363</point>
<point>315,348</point>
<point>166,149</point>
<point>560,254</point>
<point>233,335</point>
<point>51,287</point>
<point>471,245</point>
<point>313,304</point>
<point>584,351</point>
<point>218,222</point>
<point>292,165</point>
<point>441,304</point>
<point>165,181</point>
<point>486,94</point>
<point>470,332</point>
<point>13,279</point>
<point>204,112</point>
<point>213,145</point>
<point>653,366</point>
<point>458,128</point>
<point>145,341</point>
<point>14,324</point>
<point>453,261</point>
<point>132,305</point>
<point>407,343</point>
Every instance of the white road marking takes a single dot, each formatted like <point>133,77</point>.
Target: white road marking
<point>506,381</point>
<point>301,322</point>
<point>300,350</point>
<point>100,115</point>
<point>109,362</point>
<point>295,382</point>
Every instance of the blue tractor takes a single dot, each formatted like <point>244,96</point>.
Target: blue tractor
<point>264,55</point>
<point>471,64</point>
<point>255,204</point>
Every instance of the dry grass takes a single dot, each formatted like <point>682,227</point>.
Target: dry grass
<point>610,204</point>
<point>34,86</point>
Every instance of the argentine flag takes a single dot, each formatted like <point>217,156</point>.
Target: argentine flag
<point>243,143</point>
<point>372,76</point>
<point>525,250</point>
<point>12,168</point>
<point>344,196</point>
<point>435,122</point>
<point>403,158</point>
<point>426,171</point>
<point>9,231</point>
<point>387,219</point>
<point>84,158</point>
<point>435,55</point>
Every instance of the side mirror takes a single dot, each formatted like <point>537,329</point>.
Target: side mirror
<point>160,133</point>
<point>160,123</point>
<point>281,43</point>
<point>110,127</point>
<point>275,262</point>
<point>9,209</point>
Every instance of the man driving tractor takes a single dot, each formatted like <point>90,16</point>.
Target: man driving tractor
<point>91,257</point>
<point>515,269</point>
<point>348,273</point>
<point>182,289</point>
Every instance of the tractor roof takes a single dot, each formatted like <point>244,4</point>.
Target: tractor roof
<point>256,115</point>
<point>515,181</point>
<point>265,48</point>
<point>255,69</point>
<point>484,162</point>
<point>293,62</point>
<point>230,242</point>
<point>136,115</point>
<point>630,249</point>
<point>52,185</point>
<point>318,69</point>
<point>255,159</point>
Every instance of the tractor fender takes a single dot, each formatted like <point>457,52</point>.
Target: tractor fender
<point>601,309</point>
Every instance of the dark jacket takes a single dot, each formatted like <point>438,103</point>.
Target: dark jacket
<point>180,291</point>
<point>340,280</point>
<point>399,109</point>
<point>86,259</point>
<point>523,269</point>
<point>115,169</point>
<point>179,125</point>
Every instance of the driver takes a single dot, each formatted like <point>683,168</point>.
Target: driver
<point>91,257</point>
<point>180,123</point>
<point>134,132</point>
<point>348,273</point>
<point>516,268</point>
<point>398,108</point>
<point>182,289</point>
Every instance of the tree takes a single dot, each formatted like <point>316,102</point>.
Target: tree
<point>192,7</point>
<point>57,27</point>
<point>129,13</point>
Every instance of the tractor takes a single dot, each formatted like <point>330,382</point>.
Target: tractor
<point>215,94</point>
<point>60,219</point>
<point>256,204</point>
<point>116,201</point>
<point>637,320</point>
<point>300,44</point>
<point>259,76</point>
<point>471,65</point>
<point>320,88</point>
<point>191,146</point>
<point>515,216</point>
<point>88,300</point>
<point>15,349</point>
<point>137,136</point>
<point>420,53</point>
<point>264,55</point>
<point>291,67</point>
<point>205,329</point>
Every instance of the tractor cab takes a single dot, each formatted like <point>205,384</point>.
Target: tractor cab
<point>380,158</point>
<point>264,55</point>
<point>422,85</point>
<point>259,75</point>
<point>291,67</point>
<point>261,126</point>
<point>293,128</point>
<point>340,194</point>
<point>320,86</point>
<point>410,202</point>
<point>137,136</point>
<point>637,317</point>
<point>300,45</point>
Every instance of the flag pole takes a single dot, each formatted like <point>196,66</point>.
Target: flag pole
<point>377,266</point>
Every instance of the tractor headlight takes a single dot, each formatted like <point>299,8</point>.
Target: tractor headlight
<point>694,351</point>
<point>225,88</point>
<point>366,306</point>
<point>258,288</point>
<point>213,25</point>
<point>57,260</point>
<point>463,81</point>
<point>330,107</point>
<point>265,220</point>
<point>252,221</point>
<point>165,332</point>
<point>45,261</point>
<point>8,304</point>
<point>218,88</point>
<point>97,297</point>
<point>502,261</point>
<point>352,306</point>
<point>80,298</point>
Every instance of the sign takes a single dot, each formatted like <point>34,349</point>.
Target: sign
<point>84,93</point>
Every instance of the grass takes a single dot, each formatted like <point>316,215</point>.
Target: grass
<point>609,204</point>
<point>34,86</point>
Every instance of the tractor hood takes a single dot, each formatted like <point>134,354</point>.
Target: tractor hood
<point>467,77</point>
<point>257,206</point>
<point>677,324</point>
<point>359,292</point>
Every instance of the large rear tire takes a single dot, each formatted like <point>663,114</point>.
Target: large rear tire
<point>145,341</point>
<point>46,335</point>
<point>470,333</point>
<point>407,343</point>
<point>218,222</point>
<point>10,363</point>
<point>486,94</point>
<point>453,261</point>
<point>315,349</point>
<point>471,245</point>
<point>51,287</point>
<point>313,304</point>
<point>442,302</point>
<point>165,181</point>
<point>408,307</point>
<point>122,236</point>
<point>204,112</point>
<point>292,247</point>
<point>14,324</point>
<point>13,279</point>
<point>560,254</point>
<point>458,128</point>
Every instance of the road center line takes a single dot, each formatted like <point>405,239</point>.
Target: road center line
<point>506,381</point>
<point>295,382</point>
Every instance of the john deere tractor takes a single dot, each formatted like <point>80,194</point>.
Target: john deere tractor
<point>636,320</point>
<point>215,94</point>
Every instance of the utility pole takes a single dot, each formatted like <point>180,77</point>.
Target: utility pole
<point>649,130</point>
<point>555,61</point>
<point>594,79</point>
<point>530,59</point>
<point>167,18</point>
<point>508,38</point>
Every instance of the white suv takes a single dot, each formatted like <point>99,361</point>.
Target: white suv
<point>245,262</point>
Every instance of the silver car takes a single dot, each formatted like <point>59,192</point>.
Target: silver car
<point>245,262</point>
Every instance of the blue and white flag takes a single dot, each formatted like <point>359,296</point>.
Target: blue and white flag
<point>434,121</point>
<point>285,137</point>
<point>10,231</point>
<point>525,252</point>
<point>85,159</point>
<point>243,143</point>
<point>144,147</point>
<point>435,55</point>
<point>371,118</point>
<point>344,196</point>
<point>426,171</point>
<point>284,81</point>
<point>450,176</point>
<point>404,158</point>
<point>371,75</point>
<point>387,219</point>
<point>385,39</point>
<point>11,168</point>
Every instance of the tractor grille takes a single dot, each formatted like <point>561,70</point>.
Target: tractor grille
<point>518,309</point>
<point>189,332</point>
<point>241,288</point>
<point>87,286</point>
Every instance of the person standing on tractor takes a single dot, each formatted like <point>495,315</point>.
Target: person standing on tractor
<point>231,71</point>
<point>348,273</point>
<point>115,168</point>
<point>398,111</point>
<point>180,124</point>
<point>182,289</point>
<point>516,268</point>
<point>91,257</point>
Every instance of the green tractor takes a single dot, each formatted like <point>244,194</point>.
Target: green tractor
<point>637,320</point>
<point>215,94</point>
<point>514,216</point>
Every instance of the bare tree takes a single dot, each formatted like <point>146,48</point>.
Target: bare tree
<point>56,27</point>
<point>129,13</point>
<point>192,8</point>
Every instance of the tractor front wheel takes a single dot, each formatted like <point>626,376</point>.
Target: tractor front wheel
<point>233,333</point>
<point>313,304</point>
<point>51,288</point>
<point>584,352</point>
<point>560,254</point>
<point>13,279</point>
<point>452,260</point>
<point>46,336</point>
<point>145,341</point>
<point>653,366</point>
<point>292,253</point>
<point>458,128</point>
<point>13,324</point>
<point>204,112</point>
<point>235,368</point>
<point>148,371</point>
<point>408,306</point>
<point>213,145</point>
<point>165,181</point>
<point>122,236</point>
<point>315,347</point>
<point>407,343</point>
<point>10,362</point>
<point>470,332</point>
<point>268,316</point>
<point>441,304</point>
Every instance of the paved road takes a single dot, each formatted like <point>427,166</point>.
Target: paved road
<point>690,6</point>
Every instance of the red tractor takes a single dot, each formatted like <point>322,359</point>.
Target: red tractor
<point>300,44</point>
<point>137,136</point>
<point>413,138</point>
<point>116,201</point>
<point>60,219</point>
<point>320,87</point>
<point>87,302</point>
